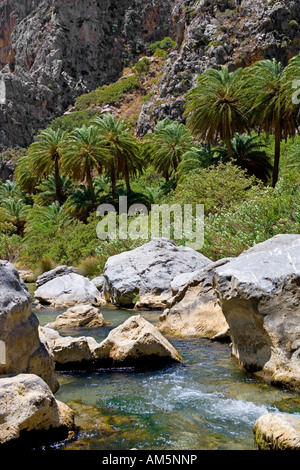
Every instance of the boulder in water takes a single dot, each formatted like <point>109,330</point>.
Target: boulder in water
<point>259,293</point>
<point>28,405</point>
<point>68,290</point>
<point>22,351</point>
<point>136,343</point>
<point>80,316</point>
<point>277,431</point>
<point>143,276</point>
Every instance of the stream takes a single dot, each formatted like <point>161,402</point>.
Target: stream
<point>206,403</point>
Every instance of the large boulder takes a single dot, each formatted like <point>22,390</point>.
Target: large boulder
<point>277,431</point>
<point>68,290</point>
<point>22,350</point>
<point>28,405</point>
<point>145,273</point>
<point>69,352</point>
<point>136,342</point>
<point>260,297</point>
<point>56,272</point>
<point>80,316</point>
<point>194,310</point>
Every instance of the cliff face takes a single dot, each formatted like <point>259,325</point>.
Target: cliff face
<point>54,50</point>
<point>51,51</point>
<point>211,33</point>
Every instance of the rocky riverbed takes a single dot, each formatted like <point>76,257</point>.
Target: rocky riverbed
<point>120,383</point>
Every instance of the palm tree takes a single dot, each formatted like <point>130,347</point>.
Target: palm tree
<point>198,158</point>
<point>123,148</point>
<point>47,190</point>
<point>17,212</point>
<point>250,155</point>
<point>42,218</point>
<point>24,176</point>
<point>215,108</point>
<point>44,157</point>
<point>81,203</point>
<point>166,146</point>
<point>269,93</point>
<point>10,189</point>
<point>84,150</point>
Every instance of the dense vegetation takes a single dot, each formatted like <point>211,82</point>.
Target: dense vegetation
<point>238,154</point>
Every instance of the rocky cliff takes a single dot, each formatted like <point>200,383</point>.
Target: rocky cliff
<point>211,33</point>
<point>54,50</point>
<point>51,51</point>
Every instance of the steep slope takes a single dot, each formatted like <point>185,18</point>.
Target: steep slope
<point>211,33</point>
<point>54,50</point>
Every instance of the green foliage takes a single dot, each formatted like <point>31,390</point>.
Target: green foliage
<point>142,67</point>
<point>215,187</point>
<point>166,146</point>
<point>64,241</point>
<point>10,247</point>
<point>266,213</point>
<point>89,267</point>
<point>70,121</point>
<point>111,94</point>
<point>161,48</point>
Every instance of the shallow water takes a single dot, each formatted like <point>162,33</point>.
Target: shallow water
<point>208,402</point>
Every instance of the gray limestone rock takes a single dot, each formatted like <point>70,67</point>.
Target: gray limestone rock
<point>68,290</point>
<point>259,294</point>
<point>24,352</point>
<point>56,272</point>
<point>27,404</point>
<point>147,272</point>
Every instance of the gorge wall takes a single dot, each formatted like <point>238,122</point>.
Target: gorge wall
<point>54,50</point>
<point>51,51</point>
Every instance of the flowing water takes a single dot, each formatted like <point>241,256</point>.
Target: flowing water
<point>208,402</point>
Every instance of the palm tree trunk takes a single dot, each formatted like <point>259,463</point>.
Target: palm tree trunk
<point>127,181</point>
<point>89,180</point>
<point>59,196</point>
<point>229,148</point>
<point>113,179</point>
<point>277,154</point>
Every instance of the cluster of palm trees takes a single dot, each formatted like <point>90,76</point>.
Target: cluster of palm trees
<point>258,98</point>
<point>231,107</point>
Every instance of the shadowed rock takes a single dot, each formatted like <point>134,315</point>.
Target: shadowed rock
<point>194,310</point>
<point>24,351</point>
<point>260,297</point>
<point>28,405</point>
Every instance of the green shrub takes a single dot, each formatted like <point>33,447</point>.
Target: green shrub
<point>161,48</point>
<point>111,94</point>
<point>77,119</point>
<point>267,213</point>
<point>142,66</point>
<point>215,187</point>
<point>89,267</point>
